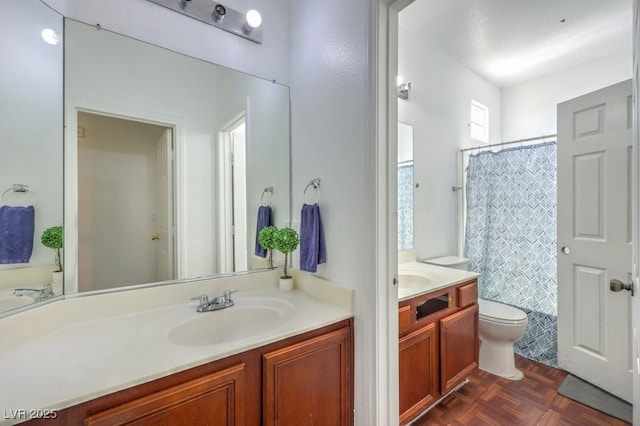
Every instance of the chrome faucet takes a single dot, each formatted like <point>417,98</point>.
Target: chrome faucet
<point>46,292</point>
<point>216,304</point>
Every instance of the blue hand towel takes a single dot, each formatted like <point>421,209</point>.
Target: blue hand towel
<point>16,234</point>
<point>264,220</point>
<point>312,247</point>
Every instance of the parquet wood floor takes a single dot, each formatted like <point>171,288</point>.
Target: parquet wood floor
<point>491,400</point>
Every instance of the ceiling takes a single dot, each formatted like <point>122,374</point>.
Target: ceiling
<point>511,41</point>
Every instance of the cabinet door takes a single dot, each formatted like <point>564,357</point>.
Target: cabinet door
<point>418,379</point>
<point>214,399</point>
<point>459,347</point>
<point>309,382</point>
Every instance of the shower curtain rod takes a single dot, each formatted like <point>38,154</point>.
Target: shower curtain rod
<point>508,143</point>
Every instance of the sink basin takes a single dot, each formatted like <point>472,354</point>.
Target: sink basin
<point>415,280</point>
<point>249,316</point>
<point>13,302</point>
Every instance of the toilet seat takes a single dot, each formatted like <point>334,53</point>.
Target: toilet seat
<point>500,313</point>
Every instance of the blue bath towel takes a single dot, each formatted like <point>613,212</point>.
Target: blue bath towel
<point>264,220</point>
<point>312,247</point>
<point>16,234</point>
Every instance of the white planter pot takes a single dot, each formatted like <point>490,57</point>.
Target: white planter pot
<point>286,284</point>
<point>57,282</point>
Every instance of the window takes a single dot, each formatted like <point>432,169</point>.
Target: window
<point>479,122</point>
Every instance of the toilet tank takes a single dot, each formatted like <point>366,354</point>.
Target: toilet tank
<point>455,262</point>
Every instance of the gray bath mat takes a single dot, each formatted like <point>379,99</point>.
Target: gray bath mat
<point>591,396</point>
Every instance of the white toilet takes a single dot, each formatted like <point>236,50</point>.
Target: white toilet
<point>499,325</point>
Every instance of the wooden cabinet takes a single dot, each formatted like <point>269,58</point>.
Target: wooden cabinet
<point>305,379</point>
<point>216,398</point>
<point>459,347</point>
<point>418,365</point>
<point>438,345</point>
<point>309,383</point>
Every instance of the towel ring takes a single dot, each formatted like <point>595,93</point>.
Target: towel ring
<point>267,190</point>
<point>315,184</point>
<point>19,187</point>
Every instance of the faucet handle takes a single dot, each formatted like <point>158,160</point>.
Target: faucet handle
<point>204,300</point>
<point>47,291</point>
<point>227,295</point>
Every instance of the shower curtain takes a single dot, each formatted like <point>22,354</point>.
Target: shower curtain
<point>510,238</point>
<point>405,206</point>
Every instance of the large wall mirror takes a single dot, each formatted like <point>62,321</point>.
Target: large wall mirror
<point>167,160</point>
<point>31,134</point>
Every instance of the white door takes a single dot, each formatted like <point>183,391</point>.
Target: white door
<point>164,217</point>
<point>594,237</point>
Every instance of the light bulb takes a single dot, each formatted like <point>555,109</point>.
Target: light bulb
<point>253,18</point>
<point>50,36</point>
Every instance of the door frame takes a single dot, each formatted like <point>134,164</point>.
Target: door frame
<point>385,66</point>
<point>635,208</point>
<point>73,106</point>
<point>226,195</point>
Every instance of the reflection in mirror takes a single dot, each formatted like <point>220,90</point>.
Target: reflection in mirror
<point>31,137</point>
<point>167,160</point>
<point>405,187</point>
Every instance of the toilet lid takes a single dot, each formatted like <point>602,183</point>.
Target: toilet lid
<point>499,311</point>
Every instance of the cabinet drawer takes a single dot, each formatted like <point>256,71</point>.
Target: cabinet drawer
<point>404,319</point>
<point>467,294</point>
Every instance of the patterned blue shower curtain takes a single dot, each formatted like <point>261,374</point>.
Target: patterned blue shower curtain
<point>405,206</point>
<point>510,238</point>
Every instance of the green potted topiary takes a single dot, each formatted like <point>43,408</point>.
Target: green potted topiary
<point>53,238</point>
<point>286,240</point>
<point>266,238</point>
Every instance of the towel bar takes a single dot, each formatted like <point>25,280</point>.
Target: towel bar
<point>20,187</point>
<point>267,190</point>
<point>315,184</point>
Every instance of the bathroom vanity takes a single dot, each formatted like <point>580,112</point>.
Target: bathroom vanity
<point>306,376</point>
<point>147,356</point>
<point>438,331</point>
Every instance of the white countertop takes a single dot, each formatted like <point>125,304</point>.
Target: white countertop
<point>434,278</point>
<point>77,349</point>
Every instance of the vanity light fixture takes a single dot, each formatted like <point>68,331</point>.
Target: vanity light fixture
<point>50,36</point>
<point>220,16</point>
<point>253,21</point>
<point>403,88</point>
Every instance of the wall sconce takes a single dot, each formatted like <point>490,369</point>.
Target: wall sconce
<point>403,88</point>
<point>246,25</point>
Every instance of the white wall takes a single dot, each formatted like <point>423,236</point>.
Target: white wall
<point>439,109</point>
<point>332,101</point>
<point>529,108</point>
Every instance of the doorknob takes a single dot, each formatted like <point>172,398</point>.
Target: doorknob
<point>617,285</point>
<point>565,250</point>
<point>155,237</point>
